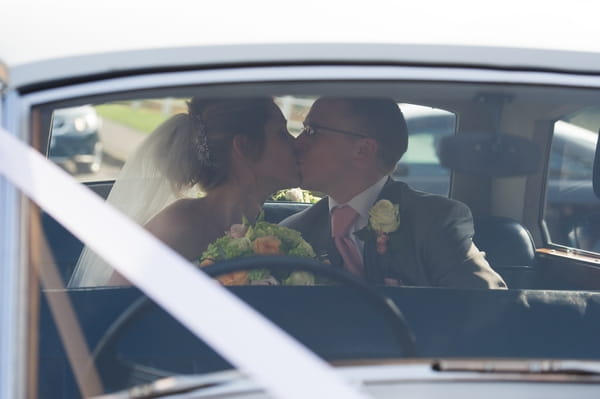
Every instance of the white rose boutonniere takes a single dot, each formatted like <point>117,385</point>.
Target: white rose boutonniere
<point>384,216</point>
<point>384,219</point>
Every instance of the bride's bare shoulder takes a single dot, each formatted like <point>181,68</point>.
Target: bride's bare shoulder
<point>177,215</point>
<point>179,226</point>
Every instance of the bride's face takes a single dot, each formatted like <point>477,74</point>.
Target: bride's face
<point>278,167</point>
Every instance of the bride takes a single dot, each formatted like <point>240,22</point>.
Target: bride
<point>237,151</point>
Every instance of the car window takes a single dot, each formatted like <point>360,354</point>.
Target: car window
<point>420,165</point>
<point>92,142</point>
<point>75,141</point>
<point>572,210</point>
<point>131,341</point>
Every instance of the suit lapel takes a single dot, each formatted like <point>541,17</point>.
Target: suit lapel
<point>333,255</point>
<point>320,225</point>
<point>378,266</point>
<point>373,269</point>
<point>331,251</point>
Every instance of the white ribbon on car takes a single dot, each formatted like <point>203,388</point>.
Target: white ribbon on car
<point>245,338</point>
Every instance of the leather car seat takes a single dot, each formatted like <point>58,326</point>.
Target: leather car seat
<point>509,249</point>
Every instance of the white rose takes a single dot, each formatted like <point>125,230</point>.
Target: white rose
<point>384,216</point>
<point>294,194</point>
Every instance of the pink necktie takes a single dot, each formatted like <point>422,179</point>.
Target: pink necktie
<point>342,218</point>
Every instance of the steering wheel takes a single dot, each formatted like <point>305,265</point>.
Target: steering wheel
<point>396,320</point>
<point>402,331</point>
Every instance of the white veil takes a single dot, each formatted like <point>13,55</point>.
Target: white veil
<point>140,191</point>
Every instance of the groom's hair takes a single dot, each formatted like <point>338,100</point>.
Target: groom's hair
<point>381,119</point>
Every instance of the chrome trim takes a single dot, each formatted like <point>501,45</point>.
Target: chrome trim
<point>313,73</point>
<point>13,295</point>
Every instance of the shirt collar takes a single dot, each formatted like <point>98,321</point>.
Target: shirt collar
<point>363,202</point>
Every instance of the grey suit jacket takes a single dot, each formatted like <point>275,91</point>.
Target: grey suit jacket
<point>436,242</point>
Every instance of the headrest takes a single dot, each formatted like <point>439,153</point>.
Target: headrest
<point>505,241</point>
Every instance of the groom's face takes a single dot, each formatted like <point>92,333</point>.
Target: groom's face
<point>325,156</point>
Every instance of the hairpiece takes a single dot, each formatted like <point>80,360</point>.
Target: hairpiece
<point>200,141</point>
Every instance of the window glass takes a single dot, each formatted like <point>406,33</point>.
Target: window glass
<point>130,341</point>
<point>420,166</point>
<point>92,142</point>
<point>75,140</point>
<point>572,210</point>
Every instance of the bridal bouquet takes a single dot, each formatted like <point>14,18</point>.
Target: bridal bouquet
<point>261,238</point>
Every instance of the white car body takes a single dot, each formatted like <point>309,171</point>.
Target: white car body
<point>186,43</point>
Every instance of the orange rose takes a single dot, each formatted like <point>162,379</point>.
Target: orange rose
<point>207,262</point>
<point>237,278</point>
<point>268,245</point>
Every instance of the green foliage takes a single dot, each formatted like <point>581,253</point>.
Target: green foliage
<point>142,119</point>
<point>258,274</point>
<point>299,278</point>
<point>296,195</point>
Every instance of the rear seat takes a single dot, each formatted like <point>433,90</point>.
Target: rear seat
<point>509,249</point>
<point>275,212</point>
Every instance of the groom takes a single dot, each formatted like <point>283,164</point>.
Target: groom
<point>346,150</point>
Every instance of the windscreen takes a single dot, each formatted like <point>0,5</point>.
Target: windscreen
<point>324,206</point>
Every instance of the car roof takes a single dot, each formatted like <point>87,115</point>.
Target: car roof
<point>118,63</point>
<point>66,40</point>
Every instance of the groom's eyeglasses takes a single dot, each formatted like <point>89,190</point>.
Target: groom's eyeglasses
<point>311,130</point>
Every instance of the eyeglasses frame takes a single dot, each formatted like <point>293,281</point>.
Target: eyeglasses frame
<point>314,127</point>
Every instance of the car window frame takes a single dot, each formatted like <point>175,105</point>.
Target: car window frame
<point>14,297</point>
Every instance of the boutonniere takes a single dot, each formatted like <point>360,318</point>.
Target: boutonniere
<point>384,220</point>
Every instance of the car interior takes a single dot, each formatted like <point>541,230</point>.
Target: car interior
<point>498,161</point>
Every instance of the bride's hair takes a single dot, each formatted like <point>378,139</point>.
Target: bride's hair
<point>198,149</point>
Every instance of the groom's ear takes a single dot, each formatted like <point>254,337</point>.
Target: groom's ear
<point>365,149</point>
